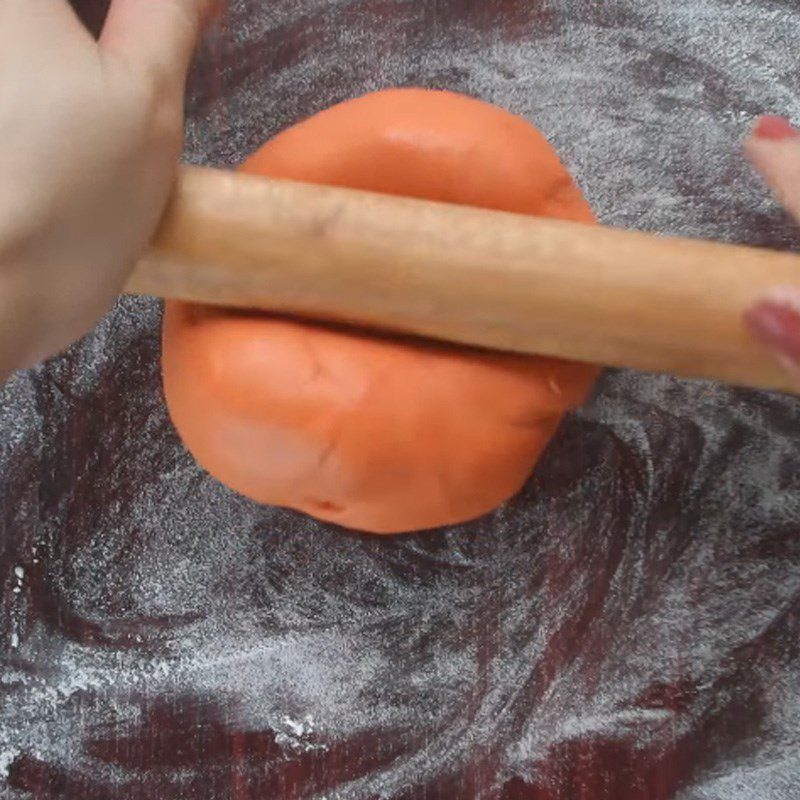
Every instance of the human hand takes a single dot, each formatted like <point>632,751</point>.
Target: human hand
<point>91,136</point>
<point>774,148</point>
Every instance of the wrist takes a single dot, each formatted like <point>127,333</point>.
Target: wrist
<point>18,312</point>
<point>11,337</point>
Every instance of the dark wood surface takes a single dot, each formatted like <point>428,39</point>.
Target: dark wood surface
<point>627,629</point>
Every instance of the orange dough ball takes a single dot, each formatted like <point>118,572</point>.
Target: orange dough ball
<point>378,434</point>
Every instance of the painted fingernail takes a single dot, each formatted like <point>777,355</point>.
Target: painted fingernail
<point>775,129</point>
<point>776,325</point>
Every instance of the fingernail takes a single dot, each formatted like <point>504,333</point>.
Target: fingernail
<point>776,325</point>
<point>775,129</point>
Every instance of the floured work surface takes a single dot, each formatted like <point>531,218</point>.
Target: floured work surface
<point>626,629</point>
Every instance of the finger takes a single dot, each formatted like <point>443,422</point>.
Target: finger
<point>157,36</point>
<point>41,19</point>
<point>774,148</point>
<point>775,323</point>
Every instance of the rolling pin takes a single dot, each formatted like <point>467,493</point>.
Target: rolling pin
<point>483,278</point>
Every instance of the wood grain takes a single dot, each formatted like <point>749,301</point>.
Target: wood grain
<point>466,275</point>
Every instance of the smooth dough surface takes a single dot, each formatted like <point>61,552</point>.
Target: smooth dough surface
<point>377,434</point>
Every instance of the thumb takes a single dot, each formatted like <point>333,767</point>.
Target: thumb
<point>775,322</point>
<point>157,36</point>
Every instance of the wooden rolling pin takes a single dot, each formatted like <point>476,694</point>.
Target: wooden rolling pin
<point>464,275</point>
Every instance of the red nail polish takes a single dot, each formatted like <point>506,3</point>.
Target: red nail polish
<point>777,327</point>
<point>776,129</point>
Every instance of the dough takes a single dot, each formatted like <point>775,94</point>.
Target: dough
<point>378,434</point>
